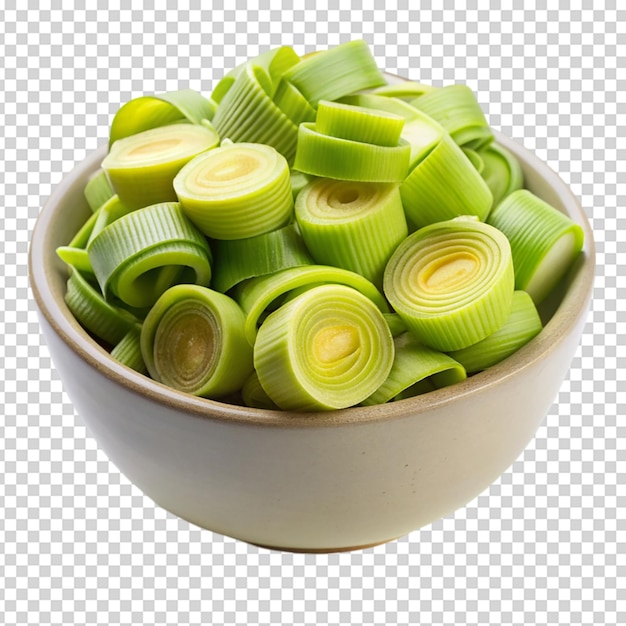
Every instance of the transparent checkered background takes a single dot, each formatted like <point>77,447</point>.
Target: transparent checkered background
<point>546,544</point>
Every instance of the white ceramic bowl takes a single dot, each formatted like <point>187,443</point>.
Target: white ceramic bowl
<point>309,482</point>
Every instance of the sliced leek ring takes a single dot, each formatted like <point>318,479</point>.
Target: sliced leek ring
<point>544,241</point>
<point>352,225</point>
<point>501,170</point>
<point>329,348</point>
<point>192,340</point>
<point>98,189</point>
<point>142,167</point>
<point>343,159</point>
<point>140,255</point>
<point>236,191</point>
<point>128,350</point>
<point>452,283</point>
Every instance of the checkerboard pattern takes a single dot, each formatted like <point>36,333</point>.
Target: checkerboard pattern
<point>545,544</point>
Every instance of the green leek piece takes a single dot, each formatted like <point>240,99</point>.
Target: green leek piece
<point>396,324</point>
<point>420,131</point>
<point>357,123</point>
<point>240,259</point>
<point>253,395</point>
<point>274,62</point>
<point>455,107</point>
<point>142,167</point>
<point>247,114</point>
<point>521,326</point>
<point>143,253</point>
<point>80,239</point>
<point>292,103</point>
<point>475,159</point>
<point>76,258</point>
<point>444,185</point>
<point>414,363</point>
<point>110,211</point>
<point>343,159</point>
<point>128,350</point>
<point>98,189</point>
<point>104,320</point>
<point>501,170</point>
<point>257,294</point>
<point>407,90</point>
<point>146,112</point>
<point>329,348</point>
<point>236,191</point>
<point>544,241</point>
<point>336,72</point>
<point>193,340</point>
<point>452,283</point>
<point>352,225</point>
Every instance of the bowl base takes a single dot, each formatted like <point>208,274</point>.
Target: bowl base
<point>323,550</point>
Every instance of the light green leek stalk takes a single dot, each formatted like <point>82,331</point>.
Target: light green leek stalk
<point>451,282</point>
<point>329,348</point>
<point>128,350</point>
<point>501,170</point>
<point>193,340</point>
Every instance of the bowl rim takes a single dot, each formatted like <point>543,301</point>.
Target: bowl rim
<point>568,314</point>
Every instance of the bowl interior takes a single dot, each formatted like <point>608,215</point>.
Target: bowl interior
<point>66,210</point>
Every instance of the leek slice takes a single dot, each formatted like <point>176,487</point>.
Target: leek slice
<point>110,211</point>
<point>544,241</point>
<point>142,167</point>
<point>332,157</point>
<point>98,189</point>
<point>146,112</point>
<point>299,180</point>
<point>140,255</point>
<point>193,340</point>
<point>520,327</point>
<point>102,319</point>
<point>75,257</point>
<point>501,170</point>
<point>336,72</point>
<point>329,348</point>
<point>257,294</point>
<point>444,185</point>
<point>455,107</point>
<point>239,259</point>
<point>128,350</point>
<point>80,239</point>
<point>407,90</point>
<point>247,114</point>
<point>236,191</point>
<point>452,283</point>
<point>420,131</point>
<point>292,103</point>
<point>358,123</point>
<point>351,225</point>
<point>414,363</point>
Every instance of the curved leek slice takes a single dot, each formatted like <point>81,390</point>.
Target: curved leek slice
<point>236,191</point>
<point>76,257</point>
<point>412,364</point>
<point>475,159</point>
<point>140,255</point>
<point>98,190</point>
<point>452,283</point>
<point>239,259</point>
<point>101,318</point>
<point>501,170</point>
<point>455,107</point>
<point>142,166</point>
<point>329,348</point>
<point>520,327</point>
<point>193,340</point>
<point>110,211</point>
<point>247,114</point>
<point>444,185</point>
<point>544,241</point>
<point>253,395</point>
<point>358,123</point>
<point>293,104</point>
<point>257,294</point>
<point>299,180</point>
<point>351,225</point>
<point>407,90</point>
<point>128,350</point>
<point>335,72</point>
<point>148,112</point>
<point>343,159</point>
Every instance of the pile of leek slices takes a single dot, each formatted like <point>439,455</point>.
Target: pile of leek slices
<point>309,237</point>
